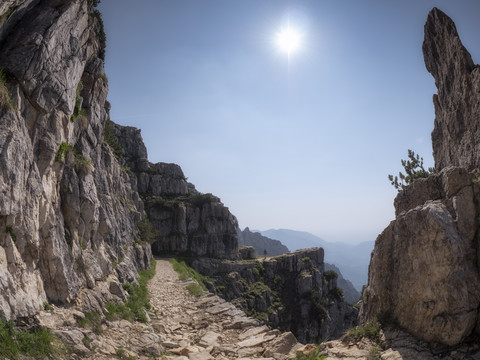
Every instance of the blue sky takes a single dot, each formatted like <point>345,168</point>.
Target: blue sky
<point>304,143</point>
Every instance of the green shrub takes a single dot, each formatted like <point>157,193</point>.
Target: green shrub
<point>337,293</point>
<point>315,355</point>
<point>305,259</point>
<point>330,275</point>
<point>111,139</point>
<point>47,306</point>
<point>413,170</point>
<point>63,150</point>
<point>148,233</point>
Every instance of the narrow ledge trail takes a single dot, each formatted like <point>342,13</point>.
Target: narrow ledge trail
<point>208,327</point>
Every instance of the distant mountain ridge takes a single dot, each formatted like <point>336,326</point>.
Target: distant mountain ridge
<point>352,260</point>
<point>261,243</point>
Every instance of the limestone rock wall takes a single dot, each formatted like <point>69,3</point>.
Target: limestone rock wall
<point>290,292</point>
<point>424,269</point>
<point>186,221</point>
<point>67,210</point>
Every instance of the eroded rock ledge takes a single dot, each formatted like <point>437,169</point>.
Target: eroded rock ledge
<point>291,292</point>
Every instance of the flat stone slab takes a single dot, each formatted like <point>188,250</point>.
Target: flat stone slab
<point>218,309</point>
<point>241,322</point>
<point>204,355</point>
<point>253,331</point>
<point>210,339</point>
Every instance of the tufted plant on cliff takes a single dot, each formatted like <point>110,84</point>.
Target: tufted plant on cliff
<point>148,234</point>
<point>78,111</point>
<point>111,140</point>
<point>413,170</point>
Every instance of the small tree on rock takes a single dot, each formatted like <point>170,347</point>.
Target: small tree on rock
<point>413,170</point>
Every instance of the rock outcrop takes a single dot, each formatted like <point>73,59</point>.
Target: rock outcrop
<point>67,210</point>
<point>186,221</point>
<point>261,243</point>
<point>424,268</point>
<point>274,247</point>
<point>291,292</point>
<point>457,104</point>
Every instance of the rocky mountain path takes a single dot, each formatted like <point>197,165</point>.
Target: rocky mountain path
<point>208,327</point>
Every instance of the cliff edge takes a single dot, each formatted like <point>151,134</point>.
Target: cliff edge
<point>68,214</point>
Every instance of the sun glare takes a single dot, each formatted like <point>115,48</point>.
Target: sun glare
<point>288,40</point>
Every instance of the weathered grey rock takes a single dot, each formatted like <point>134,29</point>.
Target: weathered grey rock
<point>61,211</point>
<point>424,268</point>
<point>456,134</point>
<point>246,252</point>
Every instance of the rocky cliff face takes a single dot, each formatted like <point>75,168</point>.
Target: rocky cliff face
<point>291,292</point>
<point>186,221</point>
<point>424,268</point>
<point>274,247</point>
<point>67,210</point>
<point>457,104</point>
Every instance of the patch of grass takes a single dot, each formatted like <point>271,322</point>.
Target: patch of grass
<point>185,272</point>
<point>315,355</point>
<point>375,353</point>
<point>78,111</point>
<point>47,306</point>
<point>305,259</point>
<point>137,301</point>
<point>83,163</point>
<point>371,330</point>
<point>92,321</point>
<point>87,341</point>
<point>36,343</point>
<point>195,289</point>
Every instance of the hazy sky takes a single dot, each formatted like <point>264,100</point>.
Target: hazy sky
<point>305,142</point>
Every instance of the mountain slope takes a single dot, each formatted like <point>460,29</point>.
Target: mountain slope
<point>261,243</point>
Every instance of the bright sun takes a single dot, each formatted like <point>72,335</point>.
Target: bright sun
<point>288,40</point>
